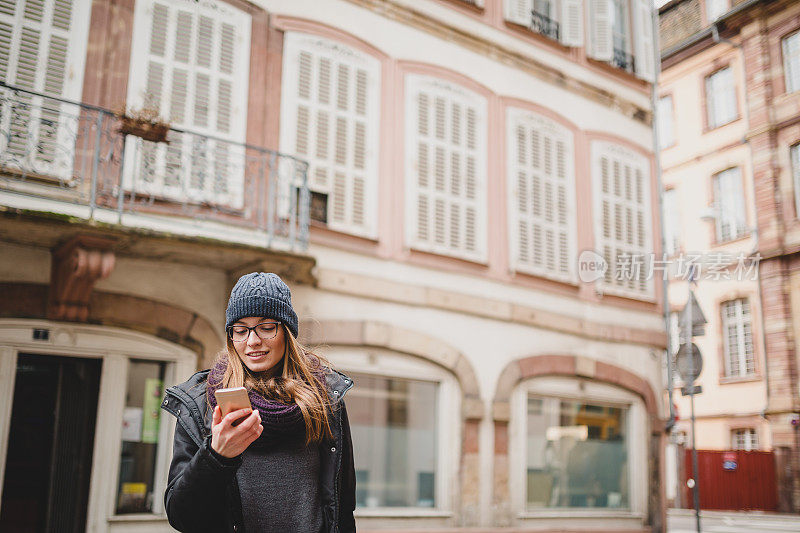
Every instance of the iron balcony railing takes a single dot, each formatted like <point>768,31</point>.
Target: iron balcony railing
<point>75,153</point>
<point>622,59</point>
<point>544,25</point>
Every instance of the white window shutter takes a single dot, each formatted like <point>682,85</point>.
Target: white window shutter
<point>738,338</point>
<point>721,97</point>
<point>791,61</point>
<point>795,157</point>
<point>43,49</point>
<point>664,116</point>
<point>672,222</point>
<point>602,44</point>
<point>711,101</point>
<point>445,168</point>
<point>190,62</point>
<point>518,11</point>
<point>542,219</point>
<point>728,90</point>
<point>572,23</point>
<point>729,195</point>
<point>621,196</point>
<point>330,117</point>
<point>643,35</point>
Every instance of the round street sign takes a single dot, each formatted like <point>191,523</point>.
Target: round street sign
<point>683,363</point>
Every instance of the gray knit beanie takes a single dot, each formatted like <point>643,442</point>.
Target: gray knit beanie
<point>261,294</point>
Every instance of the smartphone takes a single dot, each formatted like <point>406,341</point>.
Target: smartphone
<point>232,399</point>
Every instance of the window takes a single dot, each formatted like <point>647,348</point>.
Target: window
<point>721,98</point>
<point>715,8</point>
<point>140,435</point>
<point>542,195</point>
<point>672,222</point>
<point>577,444</point>
<point>330,117</point>
<point>622,208</point>
<point>190,62</point>
<point>560,20</point>
<point>393,422</point>
<point>737,338</point>
<point>445,168</point>
<point>664,115</point>
<point>577,454</point>
<point>404,434</point>
<point>745,439</point>
<point>42,49</point>
<point>791,62</point>
<point>620,31</point>
<point>795,156</point>
<point>729,198</point>
<point>611,39</point>
<point>680,438</point>
<point>544,19</point>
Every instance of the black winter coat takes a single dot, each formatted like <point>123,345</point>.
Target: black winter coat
<point>199,479</point>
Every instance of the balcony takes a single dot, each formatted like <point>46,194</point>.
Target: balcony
<point>623,60</point>
<point>71,159</point>
<point>541,23</point>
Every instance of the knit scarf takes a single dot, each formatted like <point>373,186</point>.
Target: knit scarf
<point>283,423</point>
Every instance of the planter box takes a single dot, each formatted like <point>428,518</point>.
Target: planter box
<point>149,131</point>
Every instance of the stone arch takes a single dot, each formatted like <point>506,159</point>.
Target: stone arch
<point>170,322</point>
<point>391,337</point>
<point>572,366</point>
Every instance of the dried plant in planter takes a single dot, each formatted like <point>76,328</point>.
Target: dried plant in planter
<point>144,123</point>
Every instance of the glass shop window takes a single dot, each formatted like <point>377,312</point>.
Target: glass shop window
<point>577,454</point>
<point>394,427</point>
<point>140,431</point>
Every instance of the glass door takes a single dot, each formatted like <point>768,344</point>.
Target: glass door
<point>49,460</point>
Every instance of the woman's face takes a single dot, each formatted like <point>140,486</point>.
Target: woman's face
<point>257,353</point>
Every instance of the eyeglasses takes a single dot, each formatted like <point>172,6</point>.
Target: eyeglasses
<point>264,331</point>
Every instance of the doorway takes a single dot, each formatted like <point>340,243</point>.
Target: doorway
<point>51,437</point>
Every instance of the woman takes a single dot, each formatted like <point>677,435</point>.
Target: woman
<point>288,465</point>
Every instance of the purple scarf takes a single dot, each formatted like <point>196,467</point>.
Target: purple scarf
<point>283,423</point>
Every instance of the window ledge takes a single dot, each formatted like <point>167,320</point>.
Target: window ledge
<point>573,512</point>
<point>727,380</point>
<point>604,289</point>
<point>403,512</point>
<point>570,281</point>
<point>708,128</point>
<point>744,236</point>
<point>138,517</point>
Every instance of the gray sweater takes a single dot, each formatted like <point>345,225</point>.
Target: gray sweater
<point>279,488</point>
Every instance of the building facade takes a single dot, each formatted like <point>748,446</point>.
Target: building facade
<point>729,147</point>
<point>434,179</point>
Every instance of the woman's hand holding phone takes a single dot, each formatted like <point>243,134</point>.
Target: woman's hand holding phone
<point>230,440</point>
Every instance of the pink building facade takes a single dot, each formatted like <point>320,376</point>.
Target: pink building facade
<point>427,176</point>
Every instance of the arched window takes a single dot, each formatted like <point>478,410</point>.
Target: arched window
<point>623,234</point>
<point>577,444</point>
<point>330,116</point>
<point>541,183</point>
<point>401,412</point>
<point>445,168</point>
<point>190,63</point>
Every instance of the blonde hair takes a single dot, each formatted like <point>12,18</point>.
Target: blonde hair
<point>300,380</point>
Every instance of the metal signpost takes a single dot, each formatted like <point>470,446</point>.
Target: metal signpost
<point>690,363</point>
